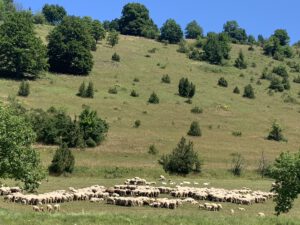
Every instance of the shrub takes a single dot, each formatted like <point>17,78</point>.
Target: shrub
<point>63,161</point>
<point>236,90</point>
<point>24,89</point>
<point>153,99</point>
<point>276,133</point>
<point>195,54</point>
<point>153,150</point>
<point>115,57</point>
<point>281,71</point>
<point>183,47</point>
<point>237,133</point>
<point>183,159</point>
<point>189,101</point>
<point>134,94</point>
<point>186,89</point>
<point>222,82</point>
<point>249,92</point>
<point>82,90</point>
<point>152,50</point>
<point>193,30</point>
<point>89,93</point>
<point>237,164</point>
<point>171,32</point>
<point>297,79</point>
<point>136,79</point>
<point>195,130</point>
<point>90,143</point>
<point>240,62</point>
<point>137,123</point>
<point>197,110</point>
<point>113,90</point>
<point>166,79</point>
<point>276,84</point>
<point>113,38</point>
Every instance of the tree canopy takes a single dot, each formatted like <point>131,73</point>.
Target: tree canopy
<point>21,52</point>
<point>171,32</point>
<point>6,7</point>
<point>235,32</point>
<point>54,14</point>
<point>193,30</point>
<point>19,160</point>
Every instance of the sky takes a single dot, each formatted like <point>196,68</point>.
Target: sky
<point>256,16</point>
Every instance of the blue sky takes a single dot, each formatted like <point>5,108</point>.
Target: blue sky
<point>256,16</point>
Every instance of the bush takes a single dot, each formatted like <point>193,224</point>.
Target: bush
<point>183,47</point>
<point>281,71</point>
<point>89,93</point>
<point>24,89</point>
<point>195,130</point>
<point>153,150</point>
<point>171,32</point>
<point>136,79</point>
<point>276,84</point>
<point>237,164</point>
<point>183,159</point>
<point>63,161</point>
<point>134,94</point>
<point>113,38</point>
<point>115,57</point>
<point>137,123</point>
<point>240,62</point>
<point>236,90</point>
<point>196,54</point>
<point>166,79</point>
<point>186,89</point>
<point>249,92</point>
<point>153,99</point>
<point>90,143</point>
<point>193,30</point>
<point>297,80</point>
<point>82,90</point>
<point>197,110</point>
<point>276,133</point>
<point>237,133</point>
<point>113,90</point>
<point>222,82</point>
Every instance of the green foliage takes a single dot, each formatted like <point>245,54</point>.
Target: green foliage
<point>171,32</point>
<point>39,18</point>
<point>251,40</point>
<point>237,34</point>
<point>196,54</point>
<point>183,47</point>
<point>249,92</point>
<point>113,38</point>
<point>297,79</point>
<point>19,160</point>
<point>98,30</point>
<point>63,161</point>
<point>217,48</point>
<point>166,79</point>
<point>282,36</point>
<point>240,62</point>
<point>193,30</point>
<point>113,90</point>
<point>136,21</point>
<point>222,82</point>
<point>54,14</point>
<point>153,150</point>
<point>276,133</point>
<point>6,7</point>
<point>89,93</point>
<point>237,133</point>
<point>21,52</point>
<point>182,160</point>
<point>236,90</point>
<point>134,93</point>
<point>280,71</point>
<point>69,47</point>
<point>82,90</point>
<point>137,123</point>
<point>153,99</point>
<point>197,110</point>
<point>186,89</point>
<point>286,172</point>
<point>115,57</point>
<point>24,89</point>
<point>237,164</point>
<point>195,130</point>
<point>276,84</point>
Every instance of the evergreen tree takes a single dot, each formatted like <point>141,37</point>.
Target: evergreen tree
<point>193,30</point>
<point>153,99</point>
<point>249,92</point>
<point>236,90</point>
<point>90,90</point>
<point>276,133</point>
<point>186,89</point>
<point>81,90</point>
<point>171,32</point>
<point>195,130</point>
<point>24,89</point>
<point>63,161</point>
<point>240,62</point>
<point>222,82</point>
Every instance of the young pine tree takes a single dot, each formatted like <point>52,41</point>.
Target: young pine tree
<point>63,161</point>
<point>240,62</point>
<point>276,133</point>
<point>24,89</point>
<point>81,90</point>
<point>90,90</point>
<point>249,92</point>
<point>153,99</point>
<point>195,130</point>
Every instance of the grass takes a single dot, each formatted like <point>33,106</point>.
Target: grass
<point>125,152</point>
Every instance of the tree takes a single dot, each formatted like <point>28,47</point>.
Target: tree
<point>236,90</point>
<point>237,34</point>
<point>21,52</point>
<point>6,7</point>
<point>280,71</point>
<point>19,160</point>
<point>182,160</point>
<point>193,30</point>
<point>54,14</point>
<point>195,130</point>
<point>282,36</point>
<point>222,82</point>
<point>113,38</point>
<point>89,93</point>
<point>237,164</point>
<point>171,32</point>
<point>39,18</point>
<point>81,90</point>
<point>286,172</point>
<point>24,89</point>
<point>69,47</point>
<point>153,99</point>
<point>251,40</point>
<point>136,21</point>
<point>249,92</point>
<point>98,31</point>
<point>216,49</point>
<point>186,89</point>
<point>115,57</point>
<point>63,161</point>
<point>276,133</point>
<point>240,62</point>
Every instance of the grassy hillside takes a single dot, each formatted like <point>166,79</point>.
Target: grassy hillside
<point>124,153</point>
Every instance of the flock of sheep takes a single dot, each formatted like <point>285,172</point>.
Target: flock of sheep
<point>137,192</point>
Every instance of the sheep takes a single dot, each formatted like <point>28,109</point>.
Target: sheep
<point>36,208</point>
<point>232,211</point>
<point>49,208</point>
<point>56,207</point>
<point>261,214</point>
<point>241,209</point>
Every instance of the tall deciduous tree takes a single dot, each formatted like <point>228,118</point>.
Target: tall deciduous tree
<point>21,52</point>
<point>18,160</point>
<point>69,47</point>
<point>235,32</point>
<point>171,32</point>
<point>54,14</point>
<point>193,30</point>
<point>113,38</point>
